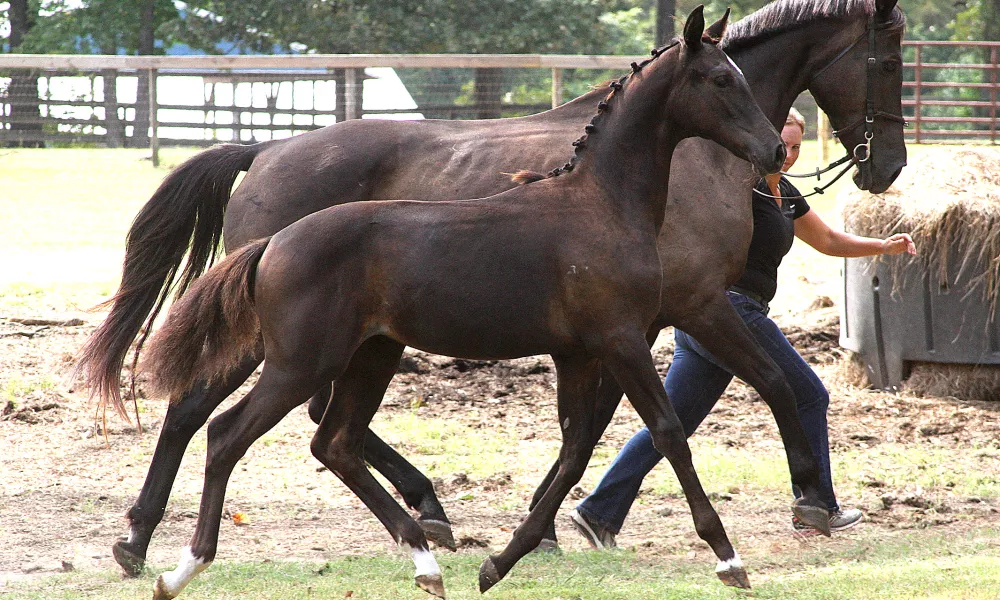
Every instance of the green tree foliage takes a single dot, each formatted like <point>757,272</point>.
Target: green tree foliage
<point>104,26</point>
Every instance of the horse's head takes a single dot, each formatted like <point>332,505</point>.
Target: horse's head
<point>712,99</point>
<point>867,115</point>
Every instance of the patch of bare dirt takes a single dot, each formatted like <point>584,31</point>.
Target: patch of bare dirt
<point>64,489</point>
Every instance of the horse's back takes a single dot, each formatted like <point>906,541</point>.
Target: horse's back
<point>387,160</point>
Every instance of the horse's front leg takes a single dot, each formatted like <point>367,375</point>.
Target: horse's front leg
<point>721,331</point>
<point>578,378</point>
<point>182,421</point>
<point>631,363</point>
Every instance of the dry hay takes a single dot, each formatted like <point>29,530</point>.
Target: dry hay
<point>965,382</point>
<point>948,200</point>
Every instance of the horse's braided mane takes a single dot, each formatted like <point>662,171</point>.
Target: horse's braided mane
<point>524,176</point>
<point>785,15</point>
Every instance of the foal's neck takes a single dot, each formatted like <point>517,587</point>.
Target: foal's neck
<point>628,152</point>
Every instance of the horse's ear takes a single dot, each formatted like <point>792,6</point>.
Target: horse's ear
<point>694,28</point>
<point>718,29</point>
<point>883,8</point>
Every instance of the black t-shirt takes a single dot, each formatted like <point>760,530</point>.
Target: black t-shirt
<point>773,233</point>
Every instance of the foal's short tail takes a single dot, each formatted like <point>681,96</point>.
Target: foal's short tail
<point>183,217</point>
<point>210,328</point>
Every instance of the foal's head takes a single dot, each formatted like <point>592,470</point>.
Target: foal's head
<point>710,98</point>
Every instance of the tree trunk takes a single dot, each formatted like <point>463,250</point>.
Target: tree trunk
<point>487,93</point>
<point>22,95</point>
<point>665,28</point>
<point>140,131</point>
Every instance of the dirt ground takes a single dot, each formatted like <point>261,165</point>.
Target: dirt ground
<point>64,490</point>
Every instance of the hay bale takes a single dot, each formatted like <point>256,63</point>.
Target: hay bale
<point>965,382</point>
<point>948,200</point>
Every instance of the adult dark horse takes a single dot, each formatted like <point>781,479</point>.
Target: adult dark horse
<point>566,266</point>
<point>784,48</point>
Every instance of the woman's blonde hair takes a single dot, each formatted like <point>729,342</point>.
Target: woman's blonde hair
<point>796,118</point>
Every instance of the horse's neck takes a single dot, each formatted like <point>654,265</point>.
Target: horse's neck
<point>579,109</point>
<point>780,68</point>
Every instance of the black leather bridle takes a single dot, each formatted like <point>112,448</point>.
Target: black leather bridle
<point>862,152</point>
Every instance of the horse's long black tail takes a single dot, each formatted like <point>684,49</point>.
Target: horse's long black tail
<point>183,217</point>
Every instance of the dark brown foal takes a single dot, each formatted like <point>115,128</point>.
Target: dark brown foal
<point>566,266</point>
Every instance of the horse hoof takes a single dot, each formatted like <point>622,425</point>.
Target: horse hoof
<point>432,584</point>
<point>547,546</point>
<point>438,532</point>
<point>128,558</point>
<point>488,575</point>
<point>160,590</point>
<point>814,516</point>
<point>735,577</point>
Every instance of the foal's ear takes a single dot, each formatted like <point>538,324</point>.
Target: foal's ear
<point>694,28</point>
<point>718,29</point>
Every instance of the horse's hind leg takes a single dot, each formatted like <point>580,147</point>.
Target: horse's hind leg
<point>339,443</point>
<point>577,392</point>
<point>182,420</point>
<point>632,366</point>
<point>721,331</point>
<point>415,488</point>
<point>229,436</point>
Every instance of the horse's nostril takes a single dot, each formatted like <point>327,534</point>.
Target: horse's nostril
<point>779,155</point>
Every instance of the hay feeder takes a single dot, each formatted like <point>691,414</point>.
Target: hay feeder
<point>941,306</point>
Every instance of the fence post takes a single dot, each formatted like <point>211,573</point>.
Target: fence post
<point>917,76</point>
<point>993,95</point>
<point>557,91</point>
<point>350,102</point>
<point>154,138</point>
<point>823,134</point>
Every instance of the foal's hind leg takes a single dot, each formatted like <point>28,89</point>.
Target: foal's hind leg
<point>229,436</point>
<point>183,419</point>
<point>609,396</point>
<point>721,331</point>
<point>577,393</point>
<point>415,488</point>
<point>632,366</point>
<point>339,443</point>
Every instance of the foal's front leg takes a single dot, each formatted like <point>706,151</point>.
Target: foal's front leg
<point>578,378</point>
<point>631,363</point>
<point>721,331</point>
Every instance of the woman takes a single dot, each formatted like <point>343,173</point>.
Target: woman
<point>696,380</point>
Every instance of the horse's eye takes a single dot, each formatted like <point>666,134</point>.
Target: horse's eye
<point>890,66</point>
<point>722,80</point>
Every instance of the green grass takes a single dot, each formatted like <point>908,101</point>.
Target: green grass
<point>917,566</point>
<point>66,213</point>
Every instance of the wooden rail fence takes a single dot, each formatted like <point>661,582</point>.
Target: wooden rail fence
<point>950,92</point>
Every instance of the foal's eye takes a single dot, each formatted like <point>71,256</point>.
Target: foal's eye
<point>722,80</point>
<point>890,66</point>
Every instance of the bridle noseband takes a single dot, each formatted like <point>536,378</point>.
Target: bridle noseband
<point>862,153</point>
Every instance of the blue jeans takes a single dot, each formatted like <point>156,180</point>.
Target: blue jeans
<point>694,383</point>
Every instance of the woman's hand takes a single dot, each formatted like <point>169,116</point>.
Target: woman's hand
<point>898,243</point>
